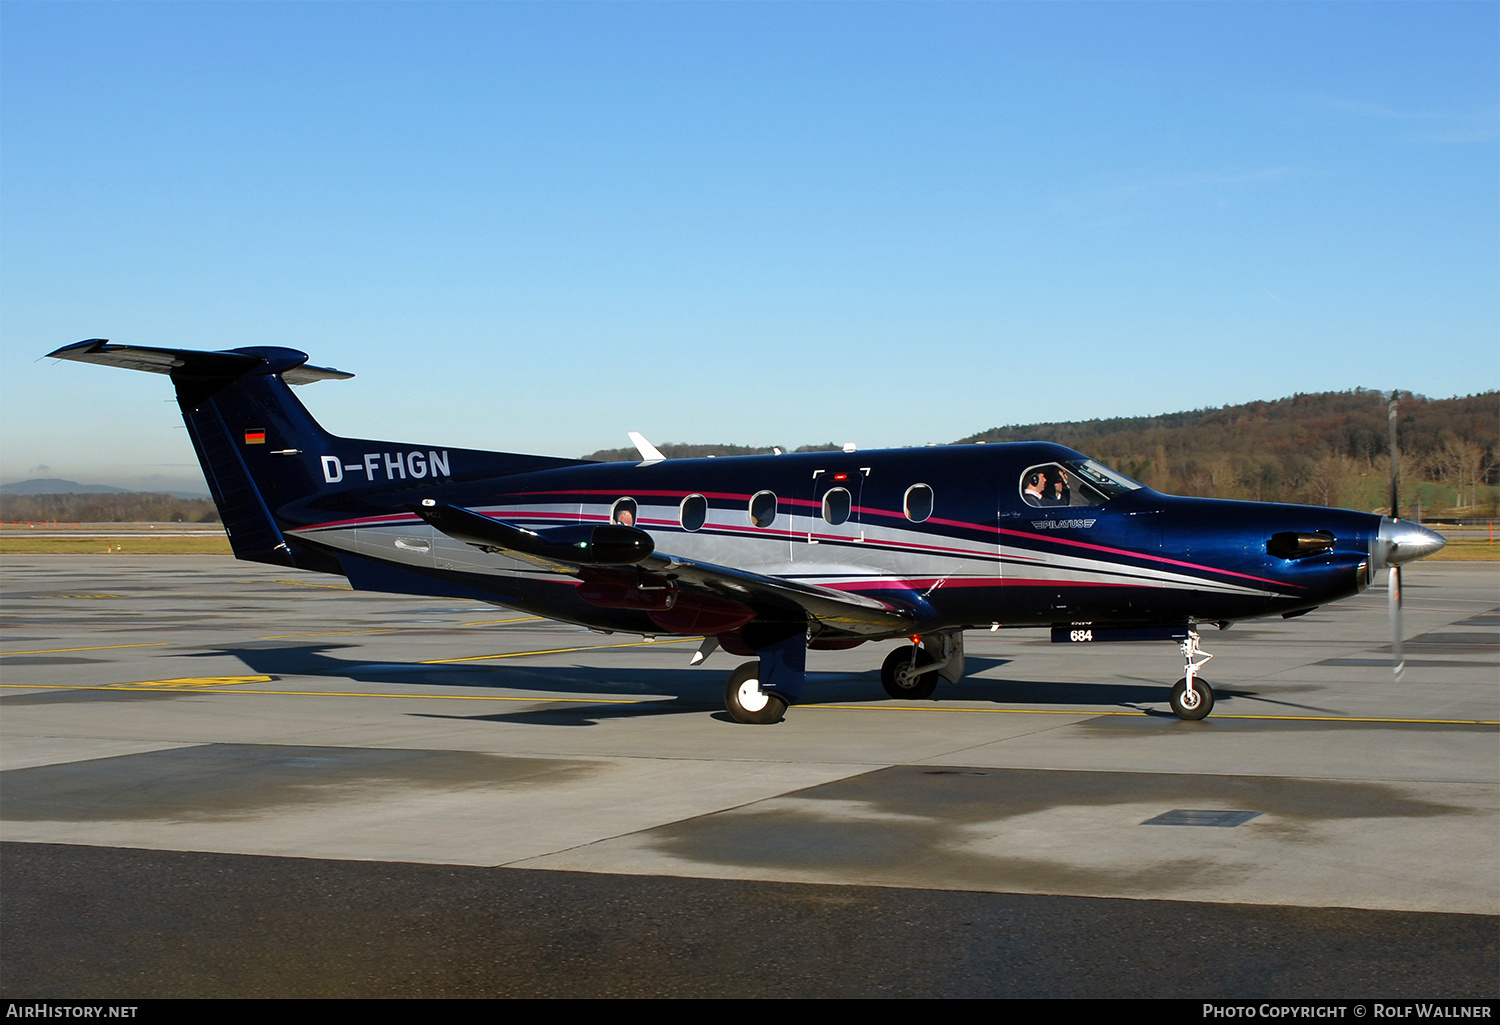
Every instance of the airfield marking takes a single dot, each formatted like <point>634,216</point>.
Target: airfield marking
<point>1222,715</point>
<point>189,682</point>
<point>329,633</point>
<point>206,683</point>
<point>550,651</point>
<point>394,629</point>
<point>96,647</point>
<point>304,583</point>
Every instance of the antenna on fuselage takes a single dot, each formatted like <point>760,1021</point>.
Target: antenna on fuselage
<point>649,452</point>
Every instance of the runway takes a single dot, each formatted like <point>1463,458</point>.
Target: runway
<point>406,796</point>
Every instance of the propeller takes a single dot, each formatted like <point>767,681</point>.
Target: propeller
<point>1393,581</point>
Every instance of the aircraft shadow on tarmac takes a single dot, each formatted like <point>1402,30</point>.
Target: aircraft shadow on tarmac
<point>683,690</point>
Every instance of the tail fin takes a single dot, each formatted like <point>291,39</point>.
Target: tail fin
<point>267,461</point>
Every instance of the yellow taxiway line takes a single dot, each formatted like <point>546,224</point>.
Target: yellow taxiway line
<point>96,647</point>
<point>1142,711</point>
<point>212,683</point>
<point>549,651</point>
<point>394,629</point>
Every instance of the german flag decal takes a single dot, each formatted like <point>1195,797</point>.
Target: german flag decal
<point>255,436</point>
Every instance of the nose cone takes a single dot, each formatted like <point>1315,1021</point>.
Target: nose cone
<point>1402,541</point>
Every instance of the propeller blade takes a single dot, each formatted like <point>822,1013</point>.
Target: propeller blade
<point>1393,602</point>
<point>1391,414</point>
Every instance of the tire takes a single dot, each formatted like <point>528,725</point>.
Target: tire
<point>915,690</point>
<point>1201,690</point>
<point>746,702</point>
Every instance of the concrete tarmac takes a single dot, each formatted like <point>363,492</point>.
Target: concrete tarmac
<point>198,733</point>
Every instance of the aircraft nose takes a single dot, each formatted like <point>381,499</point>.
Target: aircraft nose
<point>1402,541</point>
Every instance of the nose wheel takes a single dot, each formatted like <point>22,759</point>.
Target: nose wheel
<point>1192,704</point>
<point>1192,699</point>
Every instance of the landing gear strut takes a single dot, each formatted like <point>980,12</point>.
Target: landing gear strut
<point>909,672</point>
<point>912,671</point>
<point>1192,698</point>
<point>759,692</point>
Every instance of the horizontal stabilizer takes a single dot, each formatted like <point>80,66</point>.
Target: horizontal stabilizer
<point>185,363</point>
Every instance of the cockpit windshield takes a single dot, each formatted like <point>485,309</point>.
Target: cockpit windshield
<point>1111,482</point>
<point>1073,482</point>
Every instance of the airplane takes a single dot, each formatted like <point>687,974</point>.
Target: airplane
<point>766,556</point>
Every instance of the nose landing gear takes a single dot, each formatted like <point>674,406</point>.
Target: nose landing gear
<point>1192,698</point>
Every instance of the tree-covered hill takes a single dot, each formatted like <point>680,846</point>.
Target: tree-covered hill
<point>1327,448</point>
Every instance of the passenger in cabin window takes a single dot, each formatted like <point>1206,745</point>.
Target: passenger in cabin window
<point>625,518</point>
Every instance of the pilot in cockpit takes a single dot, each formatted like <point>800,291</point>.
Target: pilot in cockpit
<point>1034,488</point>
<point>1051,485</point>
<point>1058,490</point>
<point>1047,486</point>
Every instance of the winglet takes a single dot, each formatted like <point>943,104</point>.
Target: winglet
<point>649,452</point>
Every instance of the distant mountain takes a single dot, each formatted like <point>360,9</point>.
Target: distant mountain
<point>108,505</point>
<point>53,486</point>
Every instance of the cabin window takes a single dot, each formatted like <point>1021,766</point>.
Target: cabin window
<point>763,508</point>
<point>836,506</point>
<point>693,512</point>
<point>623,512</point>
<point>918,503</point>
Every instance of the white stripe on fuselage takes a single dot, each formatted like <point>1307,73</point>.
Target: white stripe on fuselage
<point>885,553</point>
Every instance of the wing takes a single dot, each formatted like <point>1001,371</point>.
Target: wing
<point>611,548</point>
<point>837,610</point>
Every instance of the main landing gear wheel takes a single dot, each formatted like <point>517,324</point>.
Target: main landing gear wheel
<point>746,702</point>
<point>1192,706</point>
<point>902,679</point>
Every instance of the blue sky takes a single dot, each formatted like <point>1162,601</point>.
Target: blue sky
<point>535,227</point>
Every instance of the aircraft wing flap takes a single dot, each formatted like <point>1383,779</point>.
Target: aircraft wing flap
<point>616,548</point>
<point>850,612</point>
